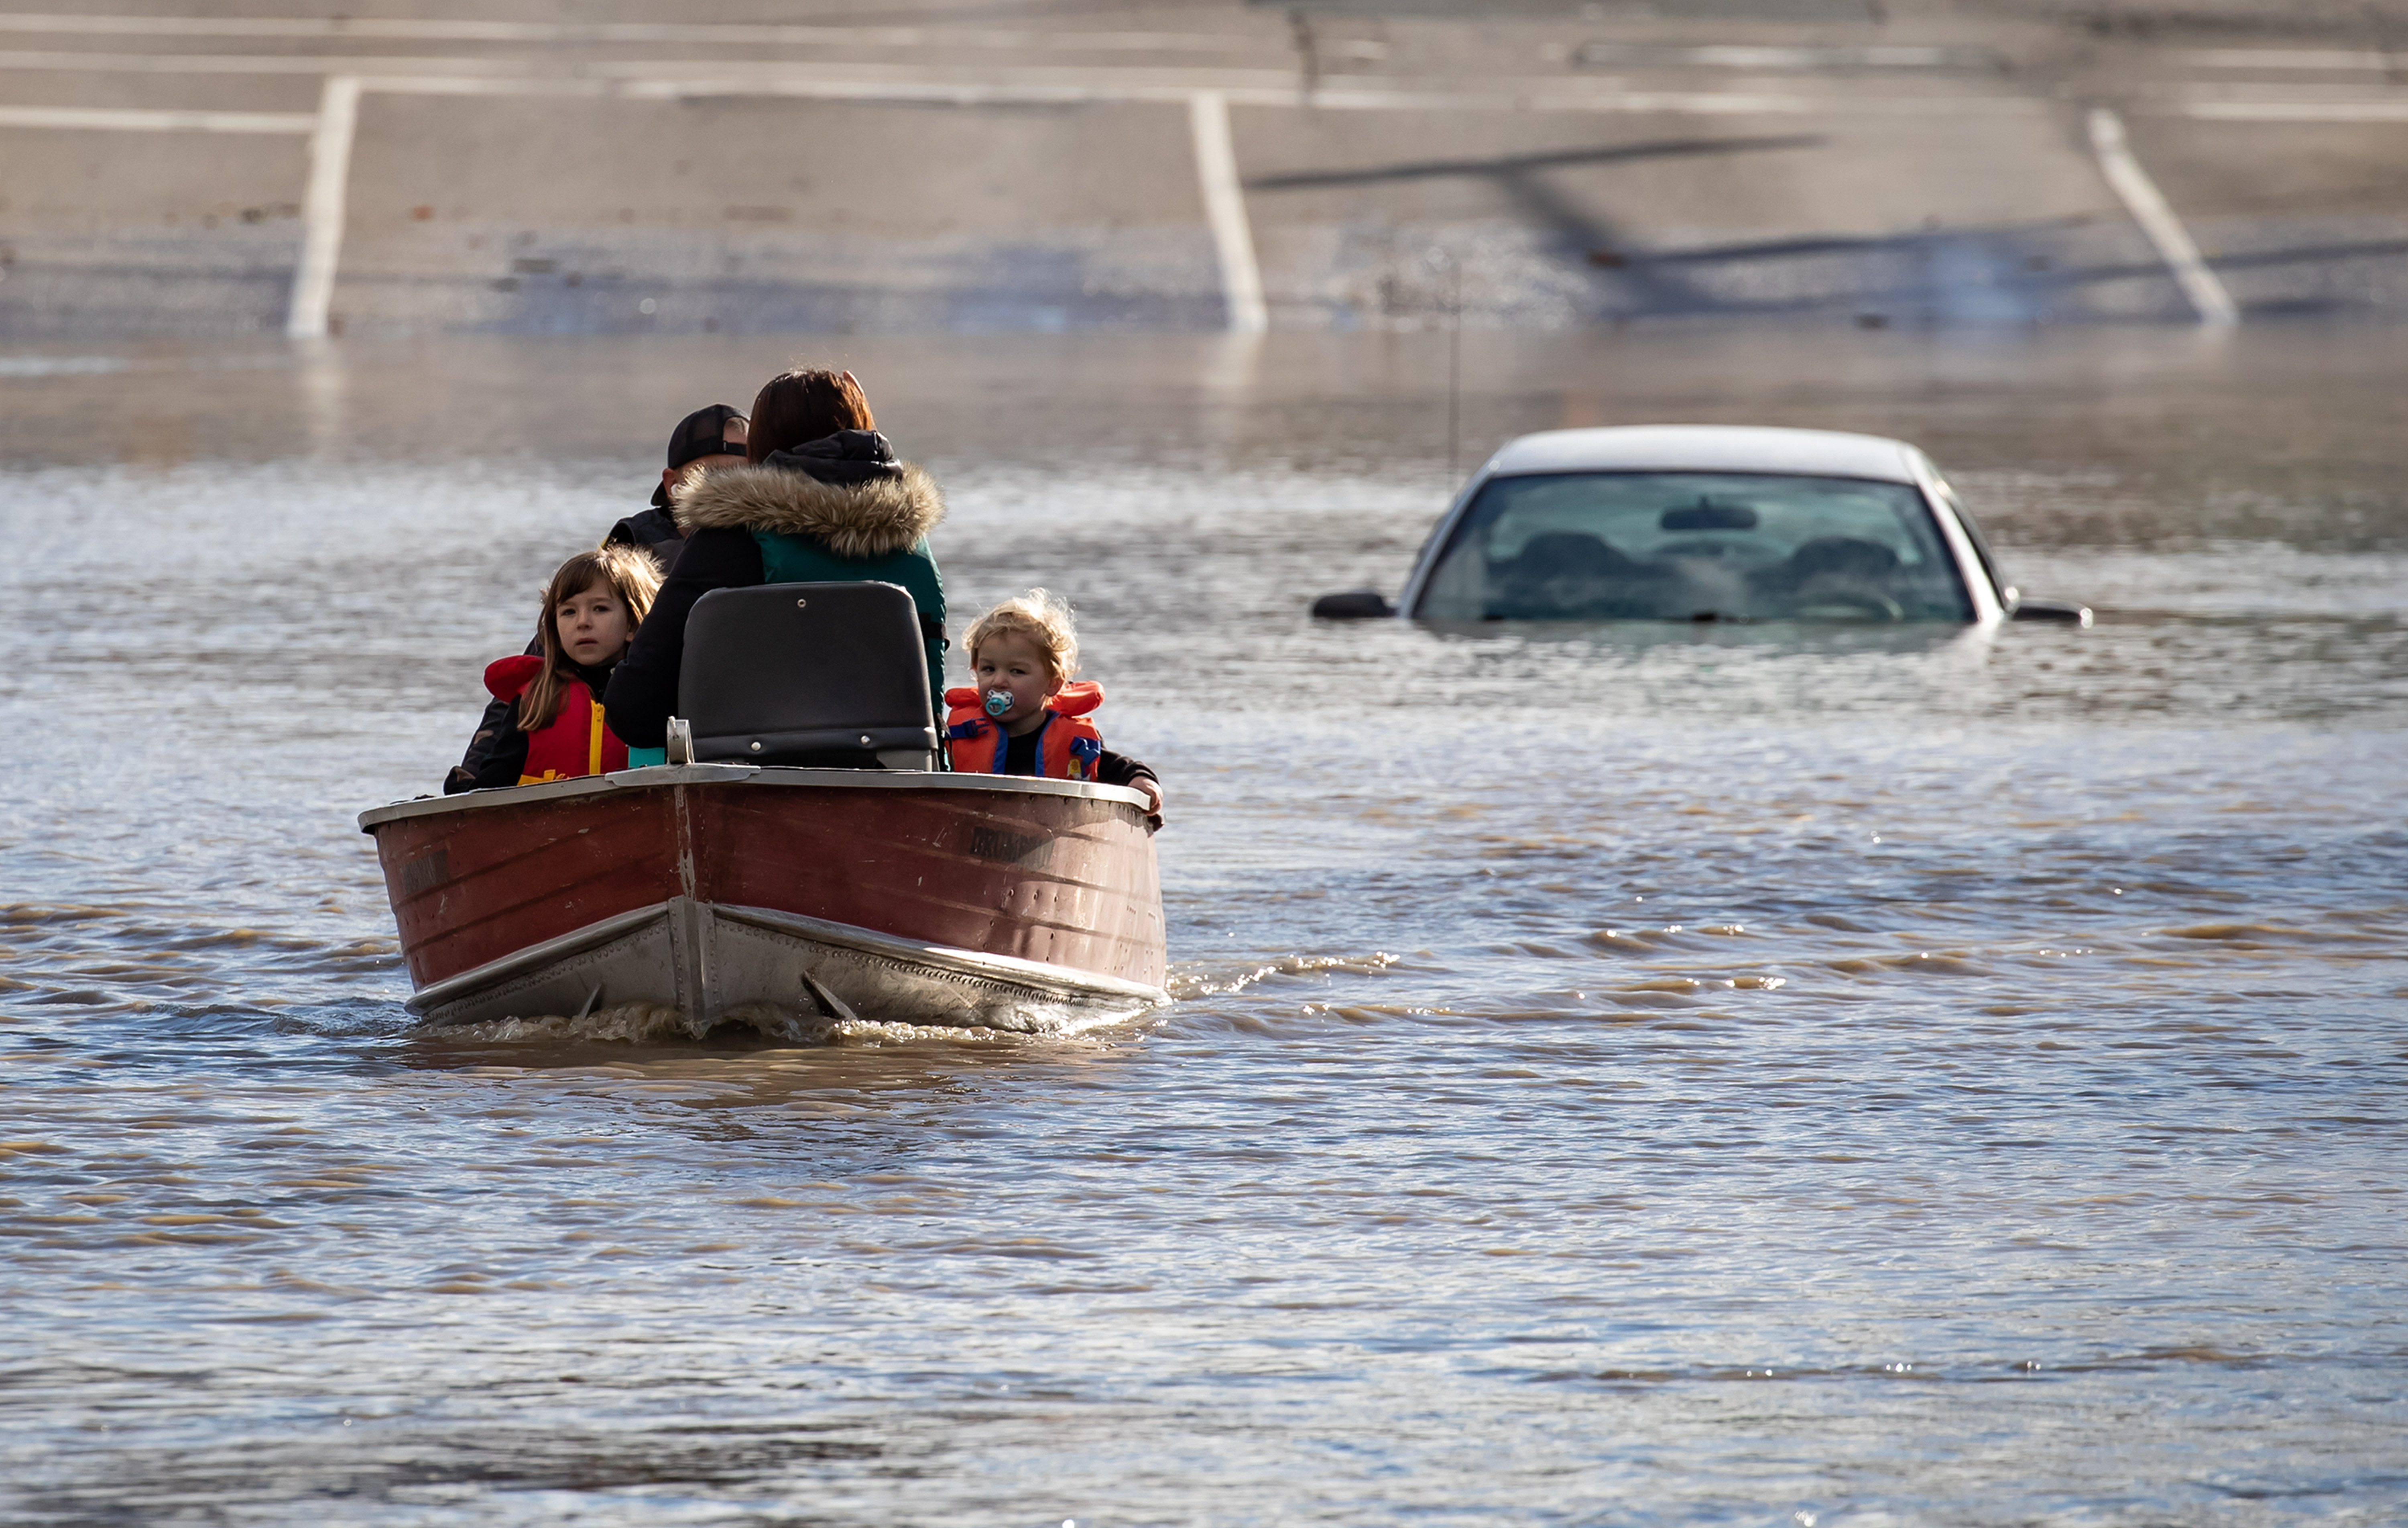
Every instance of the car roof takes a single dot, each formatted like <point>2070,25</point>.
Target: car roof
<point>1709,448</point>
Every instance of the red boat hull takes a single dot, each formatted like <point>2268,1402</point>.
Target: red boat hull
<point>1050,884</point>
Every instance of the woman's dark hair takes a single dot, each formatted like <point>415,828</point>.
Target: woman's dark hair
<point>797,406</point>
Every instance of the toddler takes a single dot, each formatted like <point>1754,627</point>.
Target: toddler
<point>1027,715</point>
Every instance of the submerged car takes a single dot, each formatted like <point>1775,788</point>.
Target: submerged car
<point>1705,523</point>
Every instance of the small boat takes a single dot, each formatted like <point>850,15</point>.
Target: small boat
<point>742,892</point>
<point>748,881</point>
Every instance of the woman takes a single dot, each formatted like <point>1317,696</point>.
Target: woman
<point>822,499</point>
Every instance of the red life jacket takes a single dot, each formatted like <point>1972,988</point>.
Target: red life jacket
<point>1067,745</point>
<point>577,742</point>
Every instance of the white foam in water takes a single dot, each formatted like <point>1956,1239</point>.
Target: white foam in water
<point>642,1024</point>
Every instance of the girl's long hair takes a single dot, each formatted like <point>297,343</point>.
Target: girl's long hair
<point>632,576</point>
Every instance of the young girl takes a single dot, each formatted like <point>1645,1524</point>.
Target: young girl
<point>591,608</point>
<point>1026,716</point>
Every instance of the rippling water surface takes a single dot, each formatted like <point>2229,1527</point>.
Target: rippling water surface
<point>1639,1075</point>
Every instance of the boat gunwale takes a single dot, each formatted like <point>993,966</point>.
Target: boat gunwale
<point>653,776</point>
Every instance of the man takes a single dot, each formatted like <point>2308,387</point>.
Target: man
<point>705,440</point>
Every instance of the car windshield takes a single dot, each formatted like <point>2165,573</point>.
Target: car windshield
<point>1683,546</point>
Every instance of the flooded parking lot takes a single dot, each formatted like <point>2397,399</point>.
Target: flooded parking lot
<point>1641,1073</point>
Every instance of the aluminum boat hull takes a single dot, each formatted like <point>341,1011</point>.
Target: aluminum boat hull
<point>726,891</point>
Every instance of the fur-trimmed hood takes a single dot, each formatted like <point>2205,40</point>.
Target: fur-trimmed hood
<point>852,520</point>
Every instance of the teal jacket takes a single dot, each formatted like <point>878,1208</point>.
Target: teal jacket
<point>787,557</point>
<point>836,510</point>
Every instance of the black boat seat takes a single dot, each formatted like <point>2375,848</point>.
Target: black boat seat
<point>825,674</point>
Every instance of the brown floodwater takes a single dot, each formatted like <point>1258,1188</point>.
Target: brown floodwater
<point>1647,1074</point>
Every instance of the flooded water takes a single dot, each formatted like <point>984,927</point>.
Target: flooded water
<point>1649,1075</point>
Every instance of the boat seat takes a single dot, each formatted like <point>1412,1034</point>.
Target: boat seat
<point>821,674</point>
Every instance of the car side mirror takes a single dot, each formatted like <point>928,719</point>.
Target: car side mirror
<point>1353,605</point>
<point>2053,612</point>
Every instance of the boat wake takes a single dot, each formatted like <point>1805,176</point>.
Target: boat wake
<point>655,1024</point>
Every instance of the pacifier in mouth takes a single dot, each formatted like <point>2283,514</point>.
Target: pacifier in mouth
<point>998,702</point>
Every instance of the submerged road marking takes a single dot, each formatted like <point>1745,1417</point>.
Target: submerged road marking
<point>719,33</point>
<point>2285,58</point>
<point>324,209</point>
<point>115,121</point>
<point>2165,232</point>
<point>2298,111</point>
<point>1224,208</point>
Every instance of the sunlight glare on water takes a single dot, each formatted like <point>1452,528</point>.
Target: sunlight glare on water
<point>1652,1074</point>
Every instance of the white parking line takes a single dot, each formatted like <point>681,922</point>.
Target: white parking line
<point>2301,111</point>
<point>1731,56</point>
<point>323,210</point>
<point>244,64</point>
<point>1548,96</point>
<point>2284,58</point>
<point>715,34</point>
<point>115,121</point>
<point>1069,87</point>
<point>2147,204</point>
<point>1224,208</point>
<point>439,84</point>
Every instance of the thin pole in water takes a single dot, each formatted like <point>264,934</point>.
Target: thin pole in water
<point>1439,261</point>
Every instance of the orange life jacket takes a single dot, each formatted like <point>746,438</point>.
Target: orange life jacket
<point>576,743</point>
<point>1067,745</point>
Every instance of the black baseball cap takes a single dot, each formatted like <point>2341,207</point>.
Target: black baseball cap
<point>700,434</point>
